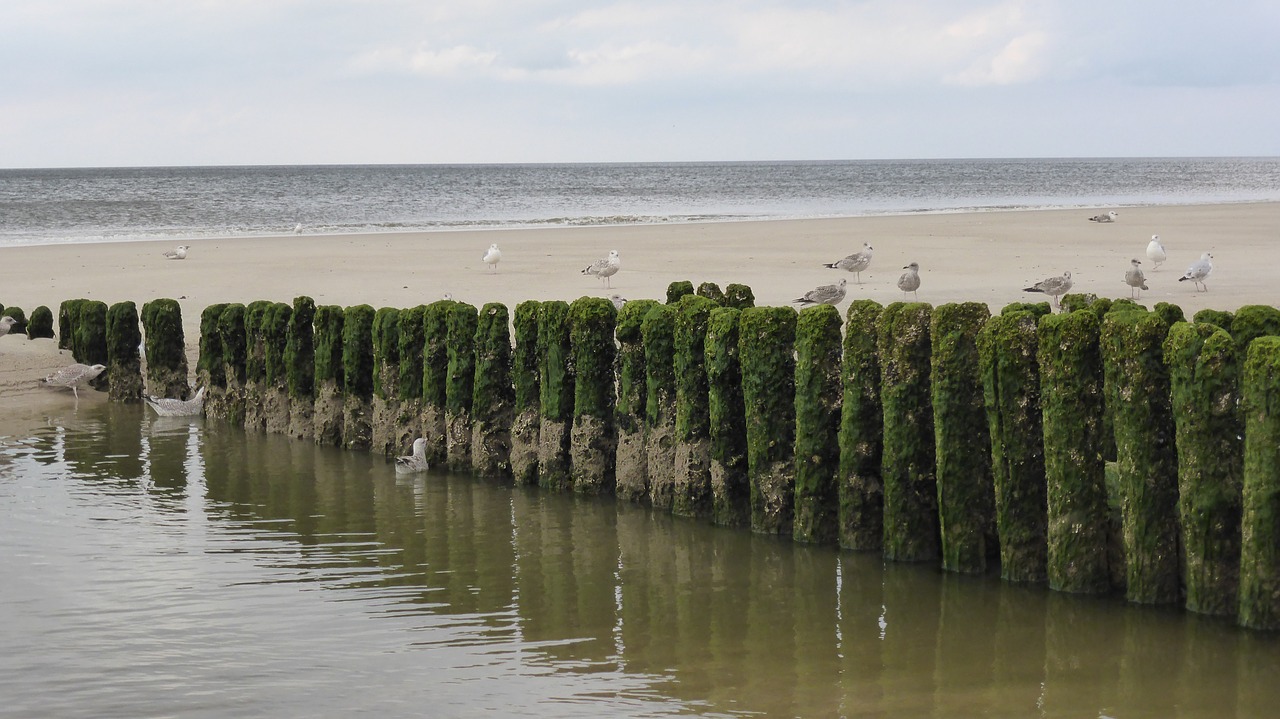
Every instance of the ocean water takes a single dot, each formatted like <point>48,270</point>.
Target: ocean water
<point>48,206</point>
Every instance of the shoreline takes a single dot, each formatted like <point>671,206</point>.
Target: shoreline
<point>986,256</point>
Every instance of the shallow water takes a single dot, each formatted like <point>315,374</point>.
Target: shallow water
<point>173,568</point>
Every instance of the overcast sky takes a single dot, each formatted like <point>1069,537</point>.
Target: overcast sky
<point>216,82</point>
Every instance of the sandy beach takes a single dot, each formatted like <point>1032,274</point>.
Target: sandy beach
<point>980,256</point>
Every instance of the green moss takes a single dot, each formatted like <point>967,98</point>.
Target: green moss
<point>766,337</point>
<point>1037,309</point>
<point>632,388</point>
<point>1137,386</point>
<point>328,344</point>
<point>555,371</point>
<point>275,337</point>
<point>1125,305</point>
<point>689,358</point>
<point>68,315</point>
<point>386,352</point>
<point>255,358</point>
<point>658,329</point>
<point>711,291</point>
<point>861,496</point>
<point>410,342</point>
<point>357,351</point>
<point>20,320</point>
<point>124,364</point>
<point>231,332</point>
<point>1007,349</point>
<point>591,322</point>
<point>1071,380</point>
<point>1260,524</point>
<point>738,296</point>
<point>524,362</point>
<point>731,498</point>
<point>41,324</point>
<point>1169,313</point>
<point>966,494</point>
<point>678,289</point>
<point>817,410</point>
<point>300,349</point>
<point>1099,306</point>
<point>461,323</point>
<point>435,360</point>
<point>492,393</point>
<point>1251,322</point>
<point>166,343</point>
<point>211,363</point>
<point>1218,318</point>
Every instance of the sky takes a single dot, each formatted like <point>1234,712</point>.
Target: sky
<point>97,83</point>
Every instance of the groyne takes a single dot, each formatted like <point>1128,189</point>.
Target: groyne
<point>1109,449</point>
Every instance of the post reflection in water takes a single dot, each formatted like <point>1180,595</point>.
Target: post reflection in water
<point>316,581</point>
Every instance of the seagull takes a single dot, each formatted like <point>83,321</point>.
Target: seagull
<point>297,229</point>
<point>1156,253</point>
<point>824,295</point>
<point>416,462</point>
<point>72,375</point>
<point>1199,271</point>
<point>1133,277</point>
<point>492,255</point>
<point>855,263</point>
<point>6,324</point>
<point>1055,287</point>
<point>178,253</point>
<point>1109,217</point>
<point>605,268</point>
<point>910,280</point>
<point>618,301</point>
<point>169,407</point>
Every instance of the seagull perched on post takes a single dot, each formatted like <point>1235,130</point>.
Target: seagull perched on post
<point>178,253</point>
<point>1055,287</point>
<point>1156,253</point>
<point>72,375</point>
<point>910,280</point>
<point>1109,217</point>
<point>824,295</point>
<point>605,268</point>
<point>415,462</point>
<point>855,263</point>
<point>1199,271</point>
<point>170,407</point>
<point>1133,277</point>
<point>492,256</point>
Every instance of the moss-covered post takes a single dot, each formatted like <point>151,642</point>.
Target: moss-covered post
<point>817,406</point>
<point>555,380</point>
<point>386,382</point>
<point>68,315</point>
<point>631,465</point>
<point>692,495</point>
<point>40,325</point>
<point>90,343</point>
<point>300,367</point>
<point>907,465</point>
<point>524,380</point>
<point>210,369</point>
<point>1260,526</point>
<point>329,377</point>
<point>124,364</point>
<point>275,340</point>
<point>766,345</point>
<point>166,349</point>
<point>493,396</point>
<point>1251,322</point>
<point>1008,347</point>
<point>861,493</point>
<point>20,323</point>
<point>461,324</point>
<point>678,289</point>
<point>1071,401</point>
<point>410,345</point>
<point>1137,385</point>
<point>730,486</point>
<point>711,291</point>
<point>1204,377</point>
<point>966,494</point>
<point>738,296</point>
<point>357,377</point>
<point>1169,313</point>
<point>658,329</point>
<point>231,334</point>
<point>1219,318</point>
<point>592,448</point>
<point>435,378</point>
<point>255,367</point>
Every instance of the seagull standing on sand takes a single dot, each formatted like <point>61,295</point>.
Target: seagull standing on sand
<point>297,229</point>
<point>855,263</point>
<point>910,280</point>
<point>6,324</point>
<point>72,375</point>
<point>824,295</point>
<point>492,256</point>
<point>170,407</point>
<point>1109,217</point>
<point>1199,271</point>
<point>605,268</point>
<point>1055,287</point>
<point>178,253</point>
<point>1133,277</point>
<point>416,462</point>
<point>1156,253</point>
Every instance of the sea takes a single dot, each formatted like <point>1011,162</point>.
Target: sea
<point>53,206</point>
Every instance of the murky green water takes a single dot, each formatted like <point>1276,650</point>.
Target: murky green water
<point>166,568</point>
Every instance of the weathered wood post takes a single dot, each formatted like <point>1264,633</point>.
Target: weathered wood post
<point>1260,526</point>
<point>730,485</point>
<point>90,343</point>
<point>435,379</point>
<point>711,291</point>
<point>68,315</point>
<point>818,399</point>
<point>766,345</point>
<point>1169,313</point>
<point>300,367</point>
<point>386,381</point>
<point>255,367</point>
<point>411,348</point>
<point>1218,318</point>
<point>631,463</point>
<point>966,492</point>
<point>1071,401</point>
<point>460,337</point>
<point>692,492</point>
<point>231,335</point>
<point>210,368</point>
<point>555,379</point>
<point>329,377</point>
<point>493,396</point>
<point>907,466</point>
<point>1251,322</point>
<point>1204,377</point>
<point>357,377</point>
<point>40,326</point>
<point>1008,347</point>
<point>592,447</point>
<point>678,289</point>
<point>1137,385</point>
<point>861,429</point>
<point>275,338</point>
<point>738,296</point>
<point>525,382</point>
<point>124,365</point>
<point>658,329</point>
<point>166,348</point>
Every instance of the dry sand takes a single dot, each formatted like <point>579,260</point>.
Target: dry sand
<point>980,256</point>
